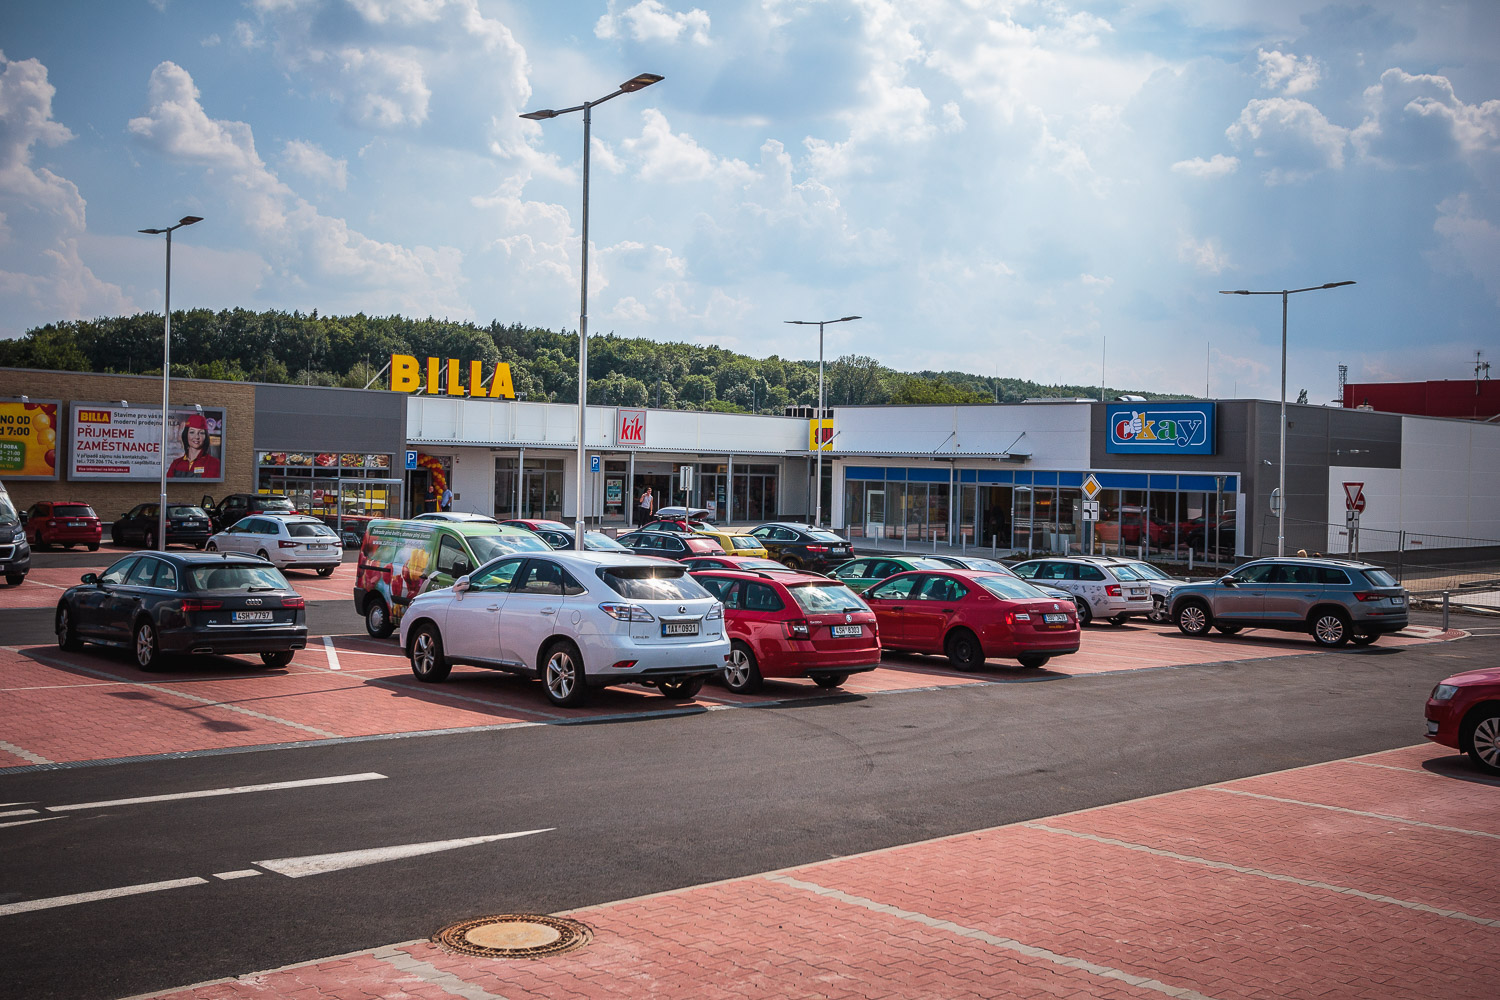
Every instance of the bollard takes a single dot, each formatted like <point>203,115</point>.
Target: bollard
<point>1190,560</point>
<point>994,541</point>
<point>1445,610</point>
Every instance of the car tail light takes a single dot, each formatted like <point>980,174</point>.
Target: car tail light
<point>51,523</point>
<point>1365,595</point>
<point>627,612</point>
<point>284,544</point>
<point>817,548</point>
<point>715,612</point>
<point>1011,617</point>
<point>199,604</point>
<point>798,628</point>
<point>295,601</point>
<point>1113,590</point>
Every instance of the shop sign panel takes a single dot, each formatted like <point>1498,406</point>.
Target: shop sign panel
<point>1166,428</point>
<point>820,435</point>
<point>630,426</point>
<point>29,436</point>
<point>446,377</point>
<point>112,442</point>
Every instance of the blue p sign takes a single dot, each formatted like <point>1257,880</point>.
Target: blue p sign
<point>411,460</point>
<point>593,463</point>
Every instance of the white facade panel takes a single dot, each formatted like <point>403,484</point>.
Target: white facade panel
<point>1055,435</point>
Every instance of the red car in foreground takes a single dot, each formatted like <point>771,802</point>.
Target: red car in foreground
<point>792,625</point>
<point>1463,712</point>
<point>972,615</point>
<point>63,522</point>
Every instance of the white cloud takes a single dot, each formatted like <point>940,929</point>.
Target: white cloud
<point>1219,166</point>
<point>310,161</point>
<point>1287,73</point>
<point>1469,241</point>
<point>1292,136</point>
<point>1205,256</point>
<point>651,21</point>
<point>1419,119</point>
<point>211,41</point>
<point>675,157</point>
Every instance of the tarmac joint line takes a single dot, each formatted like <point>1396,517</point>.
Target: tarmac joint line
<point>432,975</point>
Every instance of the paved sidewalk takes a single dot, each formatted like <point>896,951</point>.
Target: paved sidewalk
<point>1372,878</point>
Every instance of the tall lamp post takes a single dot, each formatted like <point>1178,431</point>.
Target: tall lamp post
<point>818,438</point>
<point>630,86</point>
<point>166,374</point>
<point>1281,488</point>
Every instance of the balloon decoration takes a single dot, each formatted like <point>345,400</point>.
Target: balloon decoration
<point>434,466</point>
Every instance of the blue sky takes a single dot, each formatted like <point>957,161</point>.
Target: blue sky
<point>1023,188</point>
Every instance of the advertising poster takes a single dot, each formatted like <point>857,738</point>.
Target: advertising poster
<point>113,442</point>
<point>1165,428</point>
<point>28,439</point>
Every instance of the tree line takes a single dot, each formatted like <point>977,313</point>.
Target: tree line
<point>309,349</point>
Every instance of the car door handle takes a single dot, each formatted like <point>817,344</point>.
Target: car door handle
<point>493,607</point>
<point>947,611</point>
<point>549,611</point>
<point>898,607</point>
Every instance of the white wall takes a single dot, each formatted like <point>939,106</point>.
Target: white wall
<point>1056,434</point>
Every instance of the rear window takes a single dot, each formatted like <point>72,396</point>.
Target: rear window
<point>1380,578</point>
<point>273,504</point>
<point>72,510</point>
<point>186,512</point>
<point>307,529</point>
<point>652,583</point>
<point>823,536</point>
<point>1125,573</point>
<point>1008,588</point>
<point>1149,572</point>
<point>705,545</point>
<point>745,542</point>
<point>237,576</point>
<point>487,547</point>
<point>819,598</point>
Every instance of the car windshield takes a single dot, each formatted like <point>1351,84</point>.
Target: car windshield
<point>72,510</point>
<point>1149,571</point>
<point>186,512</point>
<point>1380,578</point>
<point>823,536</point>
<point>817,598</point>
<point>237,576</point>
<point>600,542</point>
<point>1008,588</point>
<point>7,512</point>
<point>487,547</point>
<point>652,583</point>
<point>309,529</point>
<point>1122,572</point>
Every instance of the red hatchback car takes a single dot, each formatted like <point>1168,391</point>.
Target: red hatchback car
<point>972,615</point>
<point>63,522</point>
<point>792,625</point>
<point>1463,712</point>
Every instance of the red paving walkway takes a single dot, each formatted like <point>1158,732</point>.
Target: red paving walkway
<point>1372,878</point>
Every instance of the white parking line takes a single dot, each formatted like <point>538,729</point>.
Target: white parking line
<point>333,656</point>
<point>90,897</point>
<point>1356,812</point>
<point>274,786</point>
<point>27,755</point>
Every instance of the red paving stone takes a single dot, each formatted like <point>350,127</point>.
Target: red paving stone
<point>811,932</point>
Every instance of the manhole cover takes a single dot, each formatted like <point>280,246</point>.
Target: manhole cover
<point>514,935</point>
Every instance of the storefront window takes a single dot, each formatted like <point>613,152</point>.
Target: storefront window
<point>331,485</point>
<point>540,492</point>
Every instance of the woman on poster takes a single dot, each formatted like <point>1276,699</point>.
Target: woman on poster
<point>195,462</point>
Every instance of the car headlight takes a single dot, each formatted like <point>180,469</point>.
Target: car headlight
<point>1444,692</point>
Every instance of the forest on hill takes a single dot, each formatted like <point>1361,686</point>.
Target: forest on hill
<point>297,348</point>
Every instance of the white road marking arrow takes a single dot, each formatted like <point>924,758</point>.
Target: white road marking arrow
<point>318,864</point>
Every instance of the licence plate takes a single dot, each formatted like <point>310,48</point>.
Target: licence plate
<point>1055,619</point>
<point>839,550</point>
<point>252,616</point>
<point>1398,600</point>
<point>842,630</point>
<point>75,524</point>
<point>320,546</point>
<point>1137,591</point>
<point>679,628</point>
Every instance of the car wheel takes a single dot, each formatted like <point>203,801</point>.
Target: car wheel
<point>279,659</point>
<point>199,545</point>
<point>326,571</point>
<point>147,653</point>
<point>1483,743</point>
<point>1330,628</point>
<point>67,635</point>
<point>830,680</point>
<point>68,546</point>
<point>93,546</point>
<point>427,660</point>
<point>377,618</point>
<point>679,688</point>
<point>1364,638</point>
<point>963,649</point>
<point>1229,629</point>
<point>1032,661</point>
<point>15,579</point>
<point>212,547</point>
<point>1194,618</point>
<point>262,554</point>
<point>1158,613</point>
<point>1119,619</point>
<point>742,676</point>
<point>563,677</point>
<point>1085,612</point>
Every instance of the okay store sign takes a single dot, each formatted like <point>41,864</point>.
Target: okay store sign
<point>1159,428</point>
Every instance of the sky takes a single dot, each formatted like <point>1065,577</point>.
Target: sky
<point>1054,190</point>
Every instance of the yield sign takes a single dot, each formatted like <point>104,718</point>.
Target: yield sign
<point>1354,496</point>
<point>1091,487</point>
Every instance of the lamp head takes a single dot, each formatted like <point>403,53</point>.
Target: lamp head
<point>1238,291</point>
<point>540,116</point>
<point>151,232</point>
<point>846,319</point>
<point>1337,284</point>
<point>188,220</point>
<point>640,82</point>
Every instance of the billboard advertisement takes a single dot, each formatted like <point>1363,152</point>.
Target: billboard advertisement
<point>29,433</point>
<point>113,442</point>
<point>1166,428</point>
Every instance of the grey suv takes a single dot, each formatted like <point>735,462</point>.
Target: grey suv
<point>1336,600</point>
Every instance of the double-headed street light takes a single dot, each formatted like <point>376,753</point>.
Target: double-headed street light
<point>1281,489</point>
<point>166,374</point>
<point>630,86</point>
<point>818,436</point>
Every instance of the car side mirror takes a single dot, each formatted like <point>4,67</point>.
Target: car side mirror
<point>1227,581</point>
<point>461,585</point>
<point>461,569</point>
<point>90,578</point>
<point>23,516</point>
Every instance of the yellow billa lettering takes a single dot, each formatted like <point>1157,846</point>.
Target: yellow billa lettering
<point>406,374</point>
<point>432,377</point>
<point>500,385</point>
<point>455,381</point>
<point>476,379</point>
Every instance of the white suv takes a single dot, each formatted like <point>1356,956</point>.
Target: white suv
<point>575,620</point>
<point>288,541</point>
<point>1108,590</point>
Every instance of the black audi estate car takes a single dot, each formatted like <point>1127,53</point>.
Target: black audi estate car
<point>156,604</point>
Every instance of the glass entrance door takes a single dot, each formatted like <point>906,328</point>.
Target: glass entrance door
<point>875,513</point>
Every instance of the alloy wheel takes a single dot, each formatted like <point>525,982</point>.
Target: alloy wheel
<point>1486,741</point>
<point>561,675</point>
<point>1193,620</point>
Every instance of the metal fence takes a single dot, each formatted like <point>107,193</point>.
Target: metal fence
<point>1424,563</point>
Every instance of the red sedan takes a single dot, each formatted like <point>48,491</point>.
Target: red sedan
<point>972,615</point>
<point>792,625</point>
<point>537,524</point>
<point>63,522</point>
<point>1464,713</point>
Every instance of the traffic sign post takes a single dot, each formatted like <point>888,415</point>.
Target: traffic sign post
<point>1276,501</point>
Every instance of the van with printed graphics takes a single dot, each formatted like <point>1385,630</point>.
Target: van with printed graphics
<point>401,559</point>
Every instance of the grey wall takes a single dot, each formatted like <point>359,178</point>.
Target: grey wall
<point>315,418</point>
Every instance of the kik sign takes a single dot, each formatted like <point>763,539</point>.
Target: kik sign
<point>445,377</point>
<point>630,426</point>
<point>1159,428</point>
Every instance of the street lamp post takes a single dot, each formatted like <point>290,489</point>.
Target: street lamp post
<point>818,437</point>
<point>1281,488</point>
<point>630,86</point>
<point>166,373</point>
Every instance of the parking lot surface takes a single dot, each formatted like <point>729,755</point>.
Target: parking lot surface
<point>1370,877</point>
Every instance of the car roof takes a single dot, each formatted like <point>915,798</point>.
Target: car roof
<point>785,579</point>
<point>594,558</point>
<point>1317,561</point>
<point>200,558</point>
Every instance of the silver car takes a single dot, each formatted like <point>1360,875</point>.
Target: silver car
<point>1110,591</point>
<point>1159,580</point>
<point>1336,600</point>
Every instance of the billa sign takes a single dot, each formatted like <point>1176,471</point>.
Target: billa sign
<point>407,371</point>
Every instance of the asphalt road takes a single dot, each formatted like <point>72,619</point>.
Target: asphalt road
<point>635,807</point>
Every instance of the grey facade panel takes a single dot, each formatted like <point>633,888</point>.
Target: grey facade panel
<point>309,418</point>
